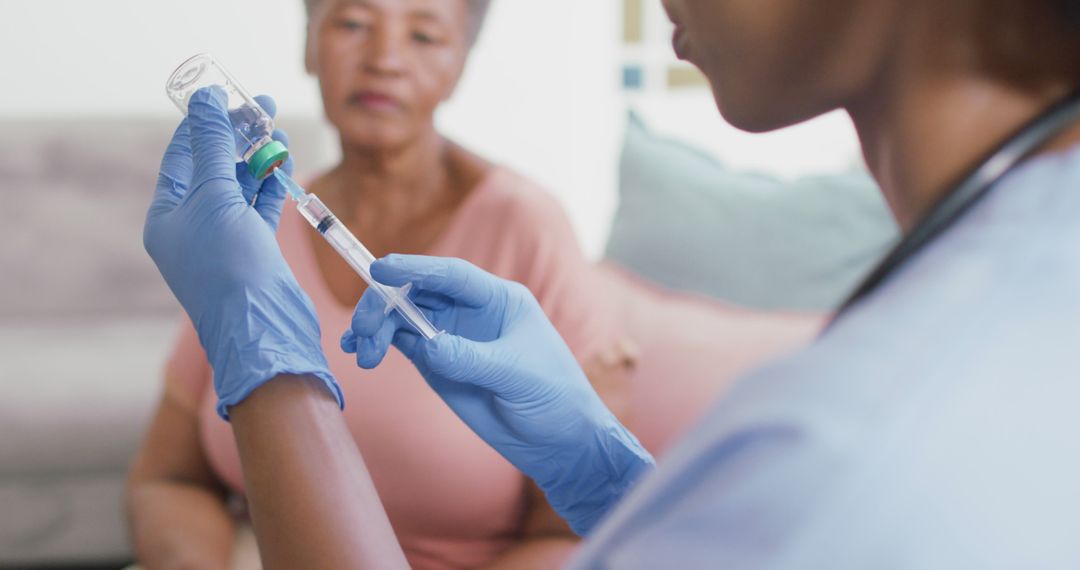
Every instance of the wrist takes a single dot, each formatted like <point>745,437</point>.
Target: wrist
<point>614,461</point>
<point>282,396</point>
<point>242,388</point>
<point>263,334</point>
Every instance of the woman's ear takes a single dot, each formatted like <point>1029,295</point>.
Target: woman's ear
<point>314,25</point>
<point>310,48</point>
<point>458,74</point>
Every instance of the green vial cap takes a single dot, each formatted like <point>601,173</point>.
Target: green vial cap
<point>267,158</point>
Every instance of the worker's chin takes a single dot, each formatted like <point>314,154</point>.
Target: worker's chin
<point>760,114</point>
<point>742,114</point>
<point>756,120</point>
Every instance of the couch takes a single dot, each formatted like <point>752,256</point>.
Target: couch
<point>85,324</point>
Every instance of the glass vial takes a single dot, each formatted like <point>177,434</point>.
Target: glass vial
<point>252,126</point>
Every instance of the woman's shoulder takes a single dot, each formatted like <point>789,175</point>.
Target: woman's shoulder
<point>498,190</point>
<point>511,198</point>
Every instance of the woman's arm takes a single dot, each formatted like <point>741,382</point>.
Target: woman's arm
<point>176,506</point>
<point>547,541</point>
<point>312,501</point>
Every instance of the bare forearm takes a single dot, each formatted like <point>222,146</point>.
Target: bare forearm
<point>179,526</point>
<point>312,501</point>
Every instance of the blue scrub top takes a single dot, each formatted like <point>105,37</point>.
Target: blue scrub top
<point>937,425</point>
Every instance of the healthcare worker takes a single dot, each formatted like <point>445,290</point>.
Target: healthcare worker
<point>933,425</point>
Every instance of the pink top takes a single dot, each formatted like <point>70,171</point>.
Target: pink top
<point>453,501</point>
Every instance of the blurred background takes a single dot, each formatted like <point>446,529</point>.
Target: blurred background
<point>584,97</point>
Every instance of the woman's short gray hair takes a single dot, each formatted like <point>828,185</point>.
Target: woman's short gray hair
<point>478,10</point>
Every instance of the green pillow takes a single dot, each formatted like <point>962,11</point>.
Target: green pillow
<point>686,222</point>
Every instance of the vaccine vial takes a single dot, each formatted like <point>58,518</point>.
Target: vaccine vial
<point>252,126</point>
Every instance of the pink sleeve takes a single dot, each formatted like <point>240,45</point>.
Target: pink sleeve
<point>187,372</point>
<point>549,261</point>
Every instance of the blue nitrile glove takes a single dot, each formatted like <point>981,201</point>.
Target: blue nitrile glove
<point>504,369</point>
<point>220,258</point>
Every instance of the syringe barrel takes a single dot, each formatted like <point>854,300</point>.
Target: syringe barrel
<point>252,125</point>
<point>340,238</point>
<point>360,259</point>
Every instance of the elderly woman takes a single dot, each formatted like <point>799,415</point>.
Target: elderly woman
<point>384,67</point>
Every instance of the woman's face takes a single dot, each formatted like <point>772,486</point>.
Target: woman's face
<point>384,66</point>
<point>773,63</point>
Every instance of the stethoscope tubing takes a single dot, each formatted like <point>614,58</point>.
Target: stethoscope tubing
<point>973,186</point>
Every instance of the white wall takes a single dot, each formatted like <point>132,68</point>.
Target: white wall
<point>541,93</point>
<point>69,57</point>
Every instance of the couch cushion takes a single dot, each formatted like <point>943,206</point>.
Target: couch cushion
<point>691,349</point>
<point>687,222</point>
<point>62,520</point>
<point>75,194</point>
<point>77,395</point>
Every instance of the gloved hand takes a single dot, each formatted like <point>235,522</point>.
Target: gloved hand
<point>219,257</point>
<point>506,372</point>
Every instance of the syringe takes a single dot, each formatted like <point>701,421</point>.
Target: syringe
<point>253,127</point>
<point>355,254</point>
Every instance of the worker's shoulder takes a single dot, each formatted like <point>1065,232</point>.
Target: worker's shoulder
<point>963,328</point>
<point>918,440</point>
